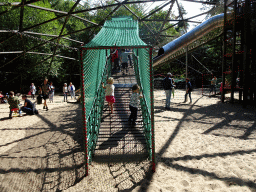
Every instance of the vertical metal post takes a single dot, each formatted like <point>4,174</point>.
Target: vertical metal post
<point>84,116</point>
<point>186,63</point>
<point>152,111</point>
<point>233,71</point>
<point>202,84</point>
<point>246,60</point>
<point>224,52</point>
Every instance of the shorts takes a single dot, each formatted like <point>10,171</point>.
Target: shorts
<point>124,65</point>
<point>110,99</point>
<point>45,97</point>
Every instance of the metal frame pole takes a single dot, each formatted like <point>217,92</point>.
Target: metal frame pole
<point>152,111</point>
<point>187,62</point>
<point>234,66</point>
<point>224,52</point>
<point>246,61</point>
<point>84,116</point>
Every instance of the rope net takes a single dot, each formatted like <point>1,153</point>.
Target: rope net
<point>120,32</point>
<point>142,74</point>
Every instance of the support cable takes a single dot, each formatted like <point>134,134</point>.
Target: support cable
<point>189,66</point>
<point>201,63</point>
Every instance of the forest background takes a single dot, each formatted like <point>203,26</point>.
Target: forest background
<point>18,70</point>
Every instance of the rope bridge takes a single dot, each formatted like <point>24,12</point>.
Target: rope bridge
<point>96,67</point>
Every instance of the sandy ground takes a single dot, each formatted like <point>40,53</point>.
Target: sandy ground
<point>204,146</point>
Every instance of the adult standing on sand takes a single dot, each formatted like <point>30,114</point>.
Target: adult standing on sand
<point>71,89</point>
<point>167,84</point>
<point>65,92</point>
<point>45,92</point>
<point>32,90</point>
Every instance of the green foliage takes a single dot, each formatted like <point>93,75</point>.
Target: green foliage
<point>17,69</point>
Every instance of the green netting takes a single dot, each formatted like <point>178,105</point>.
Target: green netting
<point>96,69</point>
<point>142,73</point>
<point>121,31</point>
<point>118,32</point>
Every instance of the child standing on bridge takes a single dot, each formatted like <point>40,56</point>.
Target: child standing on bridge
<point>134,104</point>
<point>110,89</point>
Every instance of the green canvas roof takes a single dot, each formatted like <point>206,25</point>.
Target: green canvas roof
<point>122,31</point>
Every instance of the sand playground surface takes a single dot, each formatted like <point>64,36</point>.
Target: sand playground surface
<point>200,147</point>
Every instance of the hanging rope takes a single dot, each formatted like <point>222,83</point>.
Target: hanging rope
<point>189,66</point>
<point>201,64</point>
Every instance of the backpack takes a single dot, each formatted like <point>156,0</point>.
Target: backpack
<point>191,87</point>
<point>167,84</point>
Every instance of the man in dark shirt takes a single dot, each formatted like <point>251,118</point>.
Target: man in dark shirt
<point>167,84</point>
<point>29,107</point>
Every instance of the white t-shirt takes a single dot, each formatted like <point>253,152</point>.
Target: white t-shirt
<point>135,99</point>
<point>110,89</point>
<point>65,89</point>
<point>33,89</point>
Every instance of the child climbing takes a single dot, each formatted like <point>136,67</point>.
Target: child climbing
<point>134,103</point>
<point>110,89</point>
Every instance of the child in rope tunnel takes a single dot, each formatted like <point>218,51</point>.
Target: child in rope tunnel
<point>134,103</point>
<point>110,95</point>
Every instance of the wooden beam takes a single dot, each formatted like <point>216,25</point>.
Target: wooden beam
<point>42,34</point>
<point>113,5</point>
<point>166,18</point>
<point>60,12</point>
<point>15,6</point>
<point>139,19</point>
<point>21,14</point>
<point>63,27</point>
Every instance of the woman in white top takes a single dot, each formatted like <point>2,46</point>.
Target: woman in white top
<point>32,90</point>
<point>71,89</point>
<point>110,89</point>
<point>51,92</point>
<point>65,92</point>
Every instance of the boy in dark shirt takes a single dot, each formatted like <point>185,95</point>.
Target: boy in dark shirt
<point>188,91</point>
<point>29,107</point>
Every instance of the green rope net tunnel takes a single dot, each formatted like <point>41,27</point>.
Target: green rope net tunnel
<point>119,32</point>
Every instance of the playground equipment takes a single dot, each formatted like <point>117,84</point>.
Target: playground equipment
<point>198,36</point>
<point>120,32</point>
<point>239,63</point>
